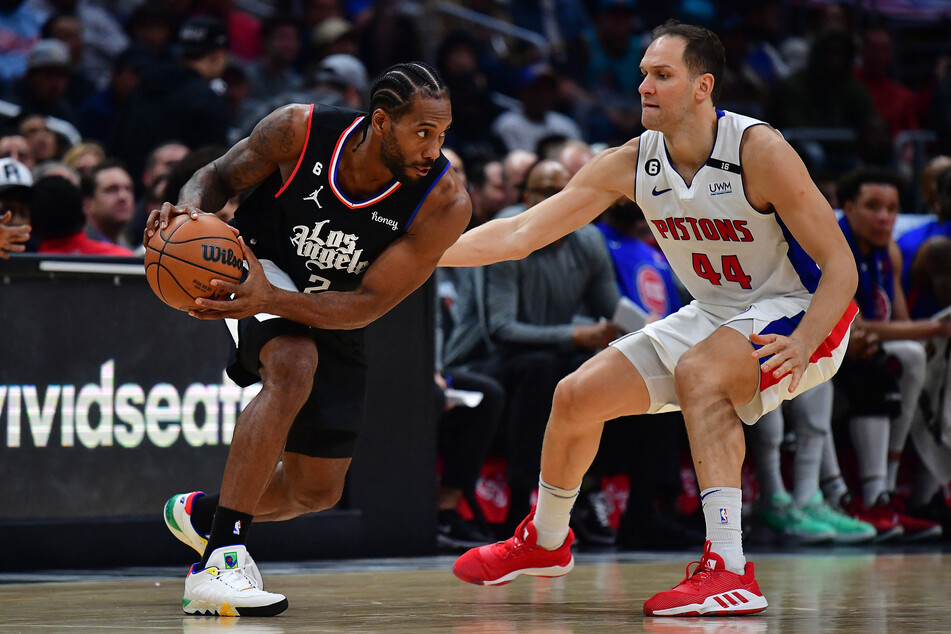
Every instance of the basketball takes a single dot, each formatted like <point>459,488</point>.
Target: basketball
<point>183,258</point>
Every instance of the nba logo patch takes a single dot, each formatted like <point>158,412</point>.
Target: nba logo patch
<point>723,517</point>
<point>231,561</point>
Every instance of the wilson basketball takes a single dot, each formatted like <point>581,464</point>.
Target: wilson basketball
<point>182,259</point>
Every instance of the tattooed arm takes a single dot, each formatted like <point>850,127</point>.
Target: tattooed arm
<point>276,142</point>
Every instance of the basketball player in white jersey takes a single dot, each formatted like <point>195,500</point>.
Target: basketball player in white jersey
<point>745,229</point>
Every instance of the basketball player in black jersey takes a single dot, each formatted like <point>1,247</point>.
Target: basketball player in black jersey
<point>351,213</point>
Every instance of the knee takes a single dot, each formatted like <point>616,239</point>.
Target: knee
<point>310,499</point>
<point>692,374</point>
<point>290,369</point>
<point>567,402</point>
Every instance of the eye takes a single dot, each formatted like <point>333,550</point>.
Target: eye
<point>423,134</point>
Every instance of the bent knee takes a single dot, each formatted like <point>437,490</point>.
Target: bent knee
<point>311,500</point>
<point>289,364</point>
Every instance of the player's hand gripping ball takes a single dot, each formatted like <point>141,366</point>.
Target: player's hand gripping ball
<point>183,258</point>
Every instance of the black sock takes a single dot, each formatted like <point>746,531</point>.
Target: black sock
<point>229,528</point>
<point>203,512</point>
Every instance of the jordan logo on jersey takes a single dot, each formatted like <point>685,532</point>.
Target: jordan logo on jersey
<point>325,248</point>
<point>313,197</point>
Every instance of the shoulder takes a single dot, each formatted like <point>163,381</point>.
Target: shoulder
<point>447,208</point>
<point>280,136</point>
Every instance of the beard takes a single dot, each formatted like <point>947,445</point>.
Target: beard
<point>392,157</point>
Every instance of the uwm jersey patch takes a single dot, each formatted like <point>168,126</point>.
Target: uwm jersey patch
<point>308,225</point>
<point>723,250</point>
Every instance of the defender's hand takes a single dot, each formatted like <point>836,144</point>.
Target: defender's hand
<point>788,357</point>
<point>250,297</point>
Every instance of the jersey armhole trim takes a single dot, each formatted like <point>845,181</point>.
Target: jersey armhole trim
<point>425,196</point>
<point>300,159</point>
<point>771,210</point>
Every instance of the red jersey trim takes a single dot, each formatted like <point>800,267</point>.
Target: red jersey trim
<point>300,159</point>
<point>825,349</point>
<point>335,159</point>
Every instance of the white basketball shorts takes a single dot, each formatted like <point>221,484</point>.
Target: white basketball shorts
<point>655,349</point>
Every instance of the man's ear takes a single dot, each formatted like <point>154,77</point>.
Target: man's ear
<point>380,121</point>
<point>704,86</point>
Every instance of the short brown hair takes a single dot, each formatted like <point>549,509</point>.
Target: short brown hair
<point>704,52</point>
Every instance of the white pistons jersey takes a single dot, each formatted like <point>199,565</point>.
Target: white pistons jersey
<point>724,251</point>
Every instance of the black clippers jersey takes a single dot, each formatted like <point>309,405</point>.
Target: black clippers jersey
<point>310,229</point>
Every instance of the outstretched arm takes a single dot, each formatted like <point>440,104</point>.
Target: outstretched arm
<point>397,272</point>
<point>278,139</point>
<point>604,179</point>
<point>776,176</point>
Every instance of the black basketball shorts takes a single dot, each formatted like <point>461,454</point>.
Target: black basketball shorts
<point>330,421</point>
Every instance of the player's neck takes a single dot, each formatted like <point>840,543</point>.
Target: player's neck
<point>361,172</point>
<point>691,143</point>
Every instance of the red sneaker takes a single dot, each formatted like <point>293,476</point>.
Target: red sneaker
<point>883,518</point>
<point>499,563</point>
<point>916,528</point>
<point>711,590</point>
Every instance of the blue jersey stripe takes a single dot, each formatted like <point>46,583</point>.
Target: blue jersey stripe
<point>805,267</point>
<point>423,199</point>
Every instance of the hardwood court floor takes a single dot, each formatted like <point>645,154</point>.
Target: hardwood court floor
<point>851,590</point>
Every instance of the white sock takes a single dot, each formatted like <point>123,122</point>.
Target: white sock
<point>891,479</point>
<point>722,508</point>
<point>812,412</point>
<point>765,437</point>
<point>553,513</point>
<point>870,439</point>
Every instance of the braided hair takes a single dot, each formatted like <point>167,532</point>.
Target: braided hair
<point>393,91</point>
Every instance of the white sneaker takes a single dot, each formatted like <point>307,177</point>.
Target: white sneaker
<point>224,587</point>
<point>178,519</point>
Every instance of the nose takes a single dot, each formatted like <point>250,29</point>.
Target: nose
<point>645,87</point>
<point>431,152</point>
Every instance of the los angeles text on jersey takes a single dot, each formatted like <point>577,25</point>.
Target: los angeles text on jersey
<point>688,228</point>
<point>328,249</point>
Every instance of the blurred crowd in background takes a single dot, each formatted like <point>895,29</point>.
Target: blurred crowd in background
<point>107,107</point>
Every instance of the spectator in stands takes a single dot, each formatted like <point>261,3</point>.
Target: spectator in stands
<point>43,89</point>
<point>84,156</point>
<point>459,61</point>
<point>883,382</point>
<point>68,30</point>
<point>332,36</point>
<point>179,173</point>
<point>927,183</point>
<point>59,220</point>
<point>274,72</point>
<point>56,168</point>
<point>517,323</point>
<point>178,101</point>
<point>108,203</point>
<point>941,111</point>
<point>152,29</point>
<point>388,35</point>
<point>16,192</point>
<point>825,95</point>
<point>515,166</point>
<point>921,255</point>
<point>12,237</point>
<point>895,103</point>
<point>20,24</point>
<point>487,190</point>
<point>457,164</point>
<point>102,36</point>
<point>15,146</point>
<point>44,143</point>
<point>574,154</point>
<point>538,92</point>
<point>243,29</point>
<point>98,114</point>
<point>341,79</point>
